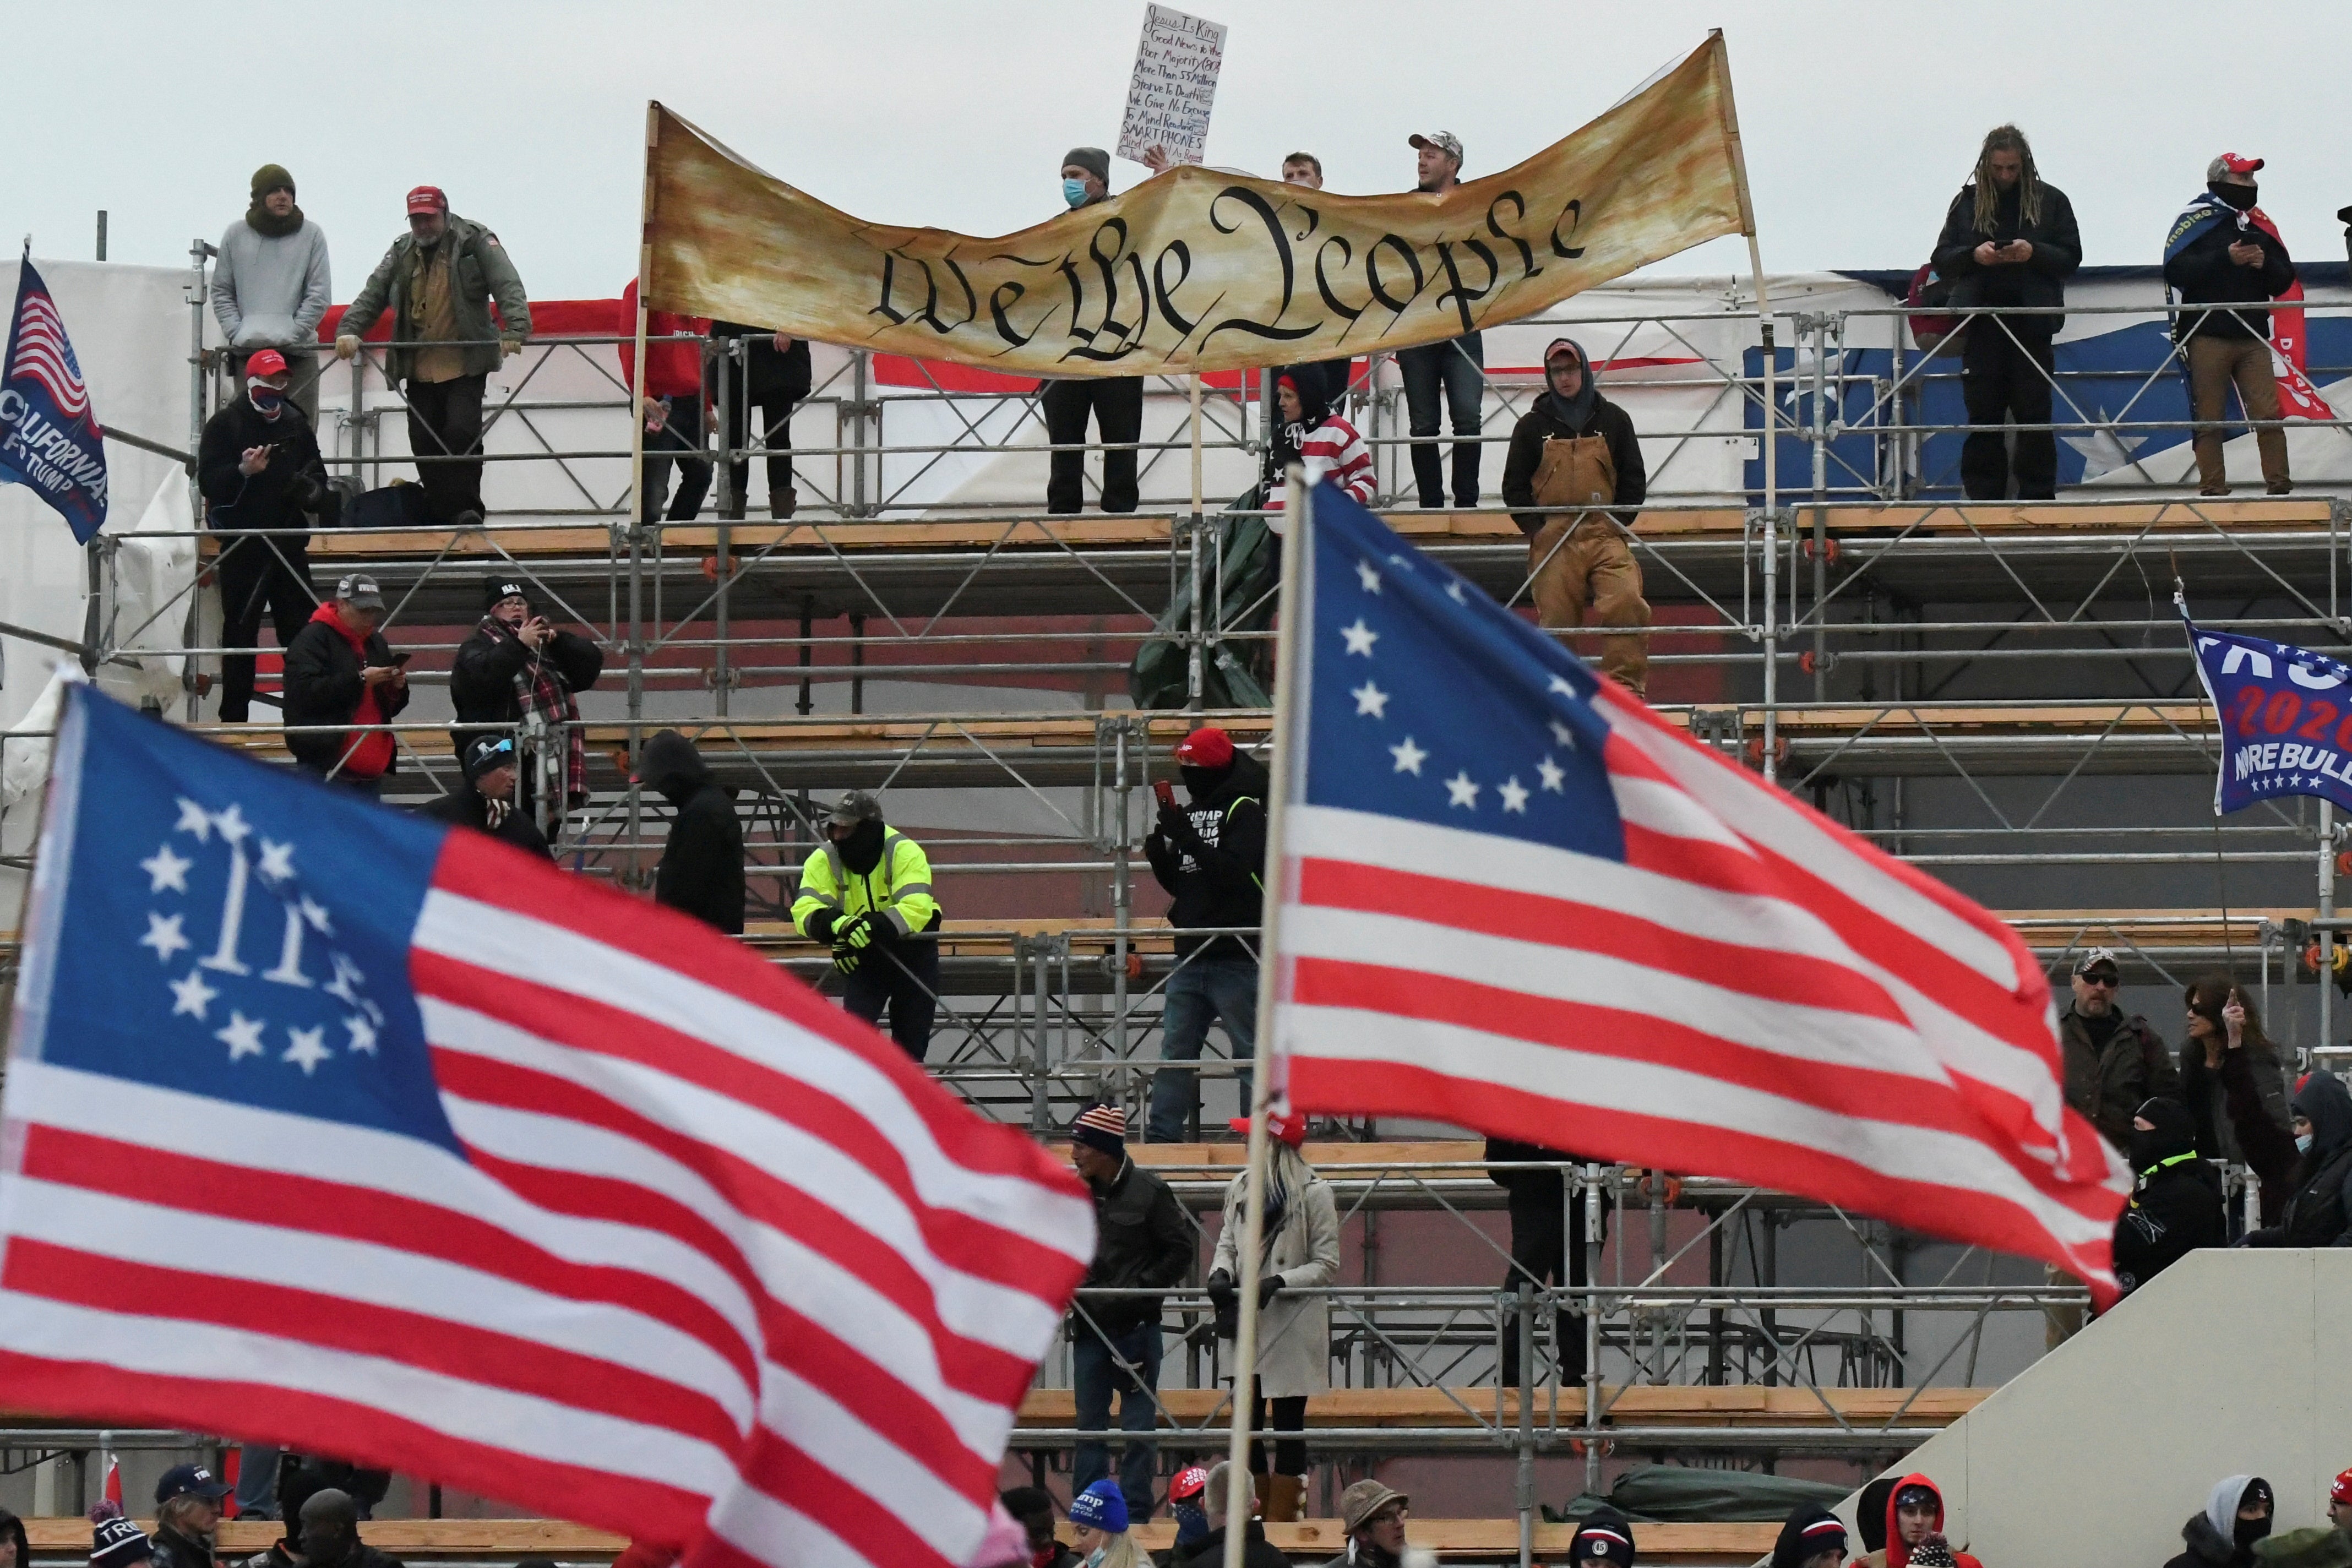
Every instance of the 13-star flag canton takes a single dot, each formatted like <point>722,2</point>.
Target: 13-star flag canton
<point>49,439</point>
<point>2285,714</point>
<point>334,1127</point>
<point>1516,900</point>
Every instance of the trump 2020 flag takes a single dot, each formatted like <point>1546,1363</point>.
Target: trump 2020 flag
<point>2285,713</point>
<point>337,1129</point>
<point>49,439</point>
<point>1514,899</point>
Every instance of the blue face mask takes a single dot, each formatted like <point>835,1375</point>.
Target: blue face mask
<point>1074,192</point>
<point>266,400</point>
<point>2303,1144</point>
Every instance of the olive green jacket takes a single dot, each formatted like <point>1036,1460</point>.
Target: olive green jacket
<point>484,273</point>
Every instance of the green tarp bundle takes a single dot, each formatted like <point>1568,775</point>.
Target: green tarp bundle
<point>1233,675</point>
<point>1680,1494</point>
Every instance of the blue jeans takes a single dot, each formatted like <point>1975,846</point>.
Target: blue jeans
<point>257,1480</point>
<point>1095,1371</point>
<point>1458,367</point>
<point>1203,990</point>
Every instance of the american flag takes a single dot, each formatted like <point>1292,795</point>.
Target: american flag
<point>1514,899</point>
<point>44,353</point>
<point>50,437</point>
<point>329,1127</point>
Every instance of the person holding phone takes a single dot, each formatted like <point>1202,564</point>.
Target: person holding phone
<point>258,466</point>
<point>344,687</point>
<point>1211,854</point>
<point>2009,240</point>
<point>516,671</point>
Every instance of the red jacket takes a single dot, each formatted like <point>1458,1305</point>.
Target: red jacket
<point>1894,1554</point>
<point>672,370</point>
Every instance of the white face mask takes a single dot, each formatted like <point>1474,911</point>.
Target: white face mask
<point>1094,1558</point>
<point>2303,1144</point>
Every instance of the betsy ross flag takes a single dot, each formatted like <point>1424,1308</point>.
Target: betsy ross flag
<point>337,1129</point>
<point>1514,899</point>
<point>49,439</point>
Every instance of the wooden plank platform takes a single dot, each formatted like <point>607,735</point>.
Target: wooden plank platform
<point>1307,1541</point>
<point>1698,1408</point>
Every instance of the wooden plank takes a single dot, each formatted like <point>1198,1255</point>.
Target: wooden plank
<point>1698,1408</point>
<point>404,1537</point>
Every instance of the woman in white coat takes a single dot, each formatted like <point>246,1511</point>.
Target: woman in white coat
<point>1301,1250</point>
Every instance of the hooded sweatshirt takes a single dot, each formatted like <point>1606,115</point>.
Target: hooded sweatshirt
<point>2214,1537</point>
<point>1215,866</point>
<point>1894,1553</point>
<point>2176,1205</point>
<point>701,870</point>
<point>2319,1214</point>
<point>271,291</point>
<point>1810,1530</point>
<point>1325,444</point>
<point>1555,417</point>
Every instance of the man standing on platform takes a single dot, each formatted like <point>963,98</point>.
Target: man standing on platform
<point>867,891</point>
<point>1456,366</point>
<point>2009,239</point>
<point>2221,251</point>
<point>271,287</point>
<point>1576,448</point>
<point>439,280</point>
<point>1142,1242</point>
<point>516,669</point>
<point>338,672</point>
<point>772,373</point>
<point>259,465</point>
<point>485,800</point>
<point>1115,402</point>
<point>701,868</point>
<point>674,421</point>
<point>1211,857</point>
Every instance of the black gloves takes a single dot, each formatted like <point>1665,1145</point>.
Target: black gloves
<point>1176,825</point>
<point>1268,1290</point>
<point>819,925</point>
<point>1220,1287</point>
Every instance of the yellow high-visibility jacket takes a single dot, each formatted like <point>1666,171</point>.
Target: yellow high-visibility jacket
<point>897,889</point>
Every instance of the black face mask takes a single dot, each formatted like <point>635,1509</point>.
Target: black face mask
<point>2239,196</point>
<point>1201,783</point>
<point>2253,1530</point>
<point>861,851</point>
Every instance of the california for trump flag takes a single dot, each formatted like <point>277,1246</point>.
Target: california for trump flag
<point>50,437</point>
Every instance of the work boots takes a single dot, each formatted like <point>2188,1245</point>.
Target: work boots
<point>1281,1497</point>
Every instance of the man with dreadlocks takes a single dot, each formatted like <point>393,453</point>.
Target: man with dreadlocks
<point>2009,240</point>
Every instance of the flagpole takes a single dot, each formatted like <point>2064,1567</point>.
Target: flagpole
<point>1298,551</point>
<point>1772,404</point>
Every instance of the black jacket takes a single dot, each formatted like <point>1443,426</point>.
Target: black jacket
<point>1543,423</point>
<point>2040,279</point>
<point>2177,1205</point>
<point>170,1549</point>
<point>1257,1551</point>
<point>2204,274</point>
<point>766,378</point>
<point>482,677</point>
<point>1142,1242</point>
<point>1212,857</point>
<point>2319,1214</point>
<point>2208,1549</point>
<point>701,870</point>
<point>323,687</point>
<point>279,495</point>
<point>465,807</point>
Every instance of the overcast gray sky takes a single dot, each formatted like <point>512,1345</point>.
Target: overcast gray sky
<point>1861,120</point>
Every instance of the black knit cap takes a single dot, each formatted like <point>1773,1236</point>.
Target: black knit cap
<point>499,585</point>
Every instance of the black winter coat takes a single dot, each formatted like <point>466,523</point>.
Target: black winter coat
<point>701,870</point>
<point>2177,1210</point>
<point>2040,279</point>
<point>2319,1214</point>
<point>2204,274</point>
<point>482,677</point>
<point>465,807</point>
<point>1142,1242</point>
<point>1543,423</point>
<point>323,687</point>
<point>766,376</point>
<point>1257,1551</point>
<point>1213,861</point>
<point>281,495</point>
<point>2208,1549</point>
<point>170,1549</point>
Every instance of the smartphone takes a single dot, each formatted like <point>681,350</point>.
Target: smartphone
<point>1165,791</point>
<point>401,658</point>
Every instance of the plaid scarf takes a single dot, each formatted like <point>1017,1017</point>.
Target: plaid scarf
<point>539,690</point>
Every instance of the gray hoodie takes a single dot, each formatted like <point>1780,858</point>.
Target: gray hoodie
<point>271,293</point>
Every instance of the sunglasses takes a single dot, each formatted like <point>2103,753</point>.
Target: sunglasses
<point>2102,977</point>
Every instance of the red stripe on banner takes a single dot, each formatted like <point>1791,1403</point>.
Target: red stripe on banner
<point>1963,1213</point>
<point>980,1370</point>
<point>881,1398</point>
<point>482,870</point>
<point>474,1352</point>
<point>171,1180</point>
<point>1626,1033</point>
<point>986,1250</point>
<point>626,1504</point>
<point>1620,934</point>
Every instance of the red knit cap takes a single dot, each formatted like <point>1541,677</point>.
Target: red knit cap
<point>2342,1491</point>
<point>1206,747</point>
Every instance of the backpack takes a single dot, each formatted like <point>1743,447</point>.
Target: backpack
<point>1932,328</point>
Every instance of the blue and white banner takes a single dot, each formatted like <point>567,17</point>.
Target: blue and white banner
<point>49,436</point>
<point>2285,713</point>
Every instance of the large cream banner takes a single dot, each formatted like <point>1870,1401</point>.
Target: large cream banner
<point>1198,269</point>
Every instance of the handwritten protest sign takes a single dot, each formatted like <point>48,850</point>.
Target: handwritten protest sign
<point>1174,86</point>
